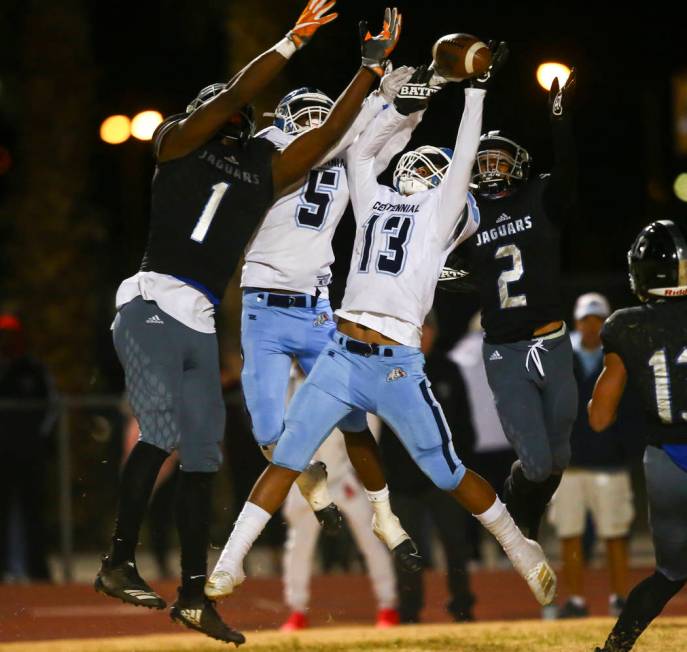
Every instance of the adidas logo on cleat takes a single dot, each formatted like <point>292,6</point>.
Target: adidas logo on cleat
<point>140,595</point>
<point>155,319</point>
<point>192,615</point>
<point>495,356</point>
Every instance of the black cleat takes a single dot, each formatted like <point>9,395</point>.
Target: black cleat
<point>330,519</point>
<point>200,614</point>
<point>123,582</point>
<point>405,554</point>
<point>571,609</point>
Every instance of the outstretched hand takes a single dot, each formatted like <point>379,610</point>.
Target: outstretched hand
<point>499,56</point>
<point>416,93</point>
<point>377,49</point>
<point>561,100</point>
<point>313,17</point>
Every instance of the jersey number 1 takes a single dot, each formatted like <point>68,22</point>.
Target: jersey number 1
<point>659,363</point>
<point>208,214</point>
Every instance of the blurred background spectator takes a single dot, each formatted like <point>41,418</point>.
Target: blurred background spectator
<point>598,478</point>
<point>28,413</point>
<point>420,505</point>
<point>493,455</point>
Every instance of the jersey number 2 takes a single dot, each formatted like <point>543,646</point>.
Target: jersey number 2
<point>510,276</point>
<point>316,198</point>
<point>659,363</point>
<point>205,220</point>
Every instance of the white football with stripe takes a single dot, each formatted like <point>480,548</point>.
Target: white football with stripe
<point>460,56</point>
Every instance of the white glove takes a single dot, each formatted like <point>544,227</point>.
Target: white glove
<point>393,81</point>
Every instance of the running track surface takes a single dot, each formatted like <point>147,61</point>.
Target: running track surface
<point>41,611</point>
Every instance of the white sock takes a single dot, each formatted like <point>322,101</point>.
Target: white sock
<point>380,502</point>
<point>250,523</point>
<point>500,523</point>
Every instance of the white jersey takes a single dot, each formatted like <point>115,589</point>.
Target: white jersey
<point>292,248</point>
<point>402,241</point>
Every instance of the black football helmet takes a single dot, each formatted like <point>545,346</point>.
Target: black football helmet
<point>240,126</point>
<point>657,261</point>
<point>500,165</point>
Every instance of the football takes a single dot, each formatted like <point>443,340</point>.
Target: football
<point>460,56</point>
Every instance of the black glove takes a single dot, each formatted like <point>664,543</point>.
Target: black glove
<point>499,55</point>
<point>456,275</point>
<point>416,93</point>
<point>561,100</point>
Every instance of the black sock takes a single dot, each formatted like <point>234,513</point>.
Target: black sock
<point>136,486</point>
<point>643,604</point>
<point>193,508</point>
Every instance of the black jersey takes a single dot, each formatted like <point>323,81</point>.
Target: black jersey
<point>652,341</point>
<point>514,261</point>
<point>514,257</point>
<point>205,208</point>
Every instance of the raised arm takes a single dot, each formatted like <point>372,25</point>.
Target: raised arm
<point>360,168</point>
<point>374,103</point>
<point>203,123</point>
<point>561,188</point>
<point>453,190</point>
<point>292,163</point>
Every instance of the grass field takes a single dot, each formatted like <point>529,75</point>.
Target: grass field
<point>666,635</point>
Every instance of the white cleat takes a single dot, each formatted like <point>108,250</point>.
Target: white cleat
<point>388,530</point>
<point>222,583</point>
<point>530,562</point>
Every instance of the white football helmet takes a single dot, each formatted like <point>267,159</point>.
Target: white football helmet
<point>301,110</point>
<point>421,169</point>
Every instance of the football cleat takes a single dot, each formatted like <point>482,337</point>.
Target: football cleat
<point>571,609</point>
<point>200,615</point>
<point>529,561</point>
<point>122,581</point>
<point>330,519</point>
<point>312,484</point>
<point>389,531</point>
<point>222,583</point>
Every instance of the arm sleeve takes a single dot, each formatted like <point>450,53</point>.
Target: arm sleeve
<point>611,337</point>
<point>360,168</point>
<point>453,191</point>
<point>372,105</point>
<point>561,188</point>
<point>397,142</point>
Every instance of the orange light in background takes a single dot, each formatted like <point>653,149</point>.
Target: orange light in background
<point>547,72</point>
<point>116,129</point>
<point>680,187</point>
<point>144,124</point>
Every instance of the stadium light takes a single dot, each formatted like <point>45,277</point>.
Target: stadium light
<point>548,71</point>
<point>116,129</point>
<point>144,124</point>
<point>680,186</point>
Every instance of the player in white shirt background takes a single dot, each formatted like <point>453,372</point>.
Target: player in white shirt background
<point>303,533</point>
<point>286,312</point>
<point>374,363</point>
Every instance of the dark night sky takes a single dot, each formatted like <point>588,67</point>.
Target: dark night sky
<point>156,54</point>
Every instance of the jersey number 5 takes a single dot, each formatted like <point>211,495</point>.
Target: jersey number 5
<point>659,363</point>
<point>205,220</point>
<point>510,276</point>
<point>316,198</point>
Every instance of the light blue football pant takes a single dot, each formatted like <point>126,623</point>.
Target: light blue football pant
<point>271,338</point>
<point>393,386</point>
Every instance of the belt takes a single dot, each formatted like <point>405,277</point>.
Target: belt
<point>286,300</point>
<point>364,348</point>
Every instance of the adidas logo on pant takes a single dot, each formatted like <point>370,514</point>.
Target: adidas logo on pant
<point>155,319</point>
<point>495,356</point>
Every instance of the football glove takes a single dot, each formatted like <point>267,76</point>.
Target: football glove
<point>313,17</point>
<point>499,55</point>
<point>561,100</point>
<point>376,49</point>
<point>416,93</point>
<point>393,81</point>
